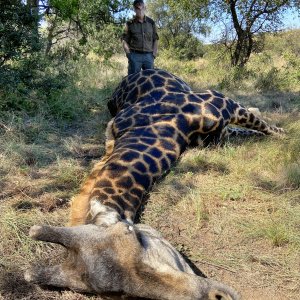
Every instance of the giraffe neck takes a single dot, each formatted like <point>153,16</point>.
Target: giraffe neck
<point>131,165</point>
<point>125,178</point>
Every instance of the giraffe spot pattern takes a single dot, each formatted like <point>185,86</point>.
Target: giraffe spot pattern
<point>157,115</point>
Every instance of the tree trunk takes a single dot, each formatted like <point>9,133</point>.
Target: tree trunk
<point>242,49</point>
<point>244,44</point>
<point>34,8</point>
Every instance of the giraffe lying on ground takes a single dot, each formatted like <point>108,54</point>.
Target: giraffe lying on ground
<point>206,115</point>
<point>156,117</point>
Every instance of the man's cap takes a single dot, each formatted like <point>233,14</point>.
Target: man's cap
<point>137,2</point>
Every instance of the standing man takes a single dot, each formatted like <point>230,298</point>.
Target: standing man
<point>140,40</point>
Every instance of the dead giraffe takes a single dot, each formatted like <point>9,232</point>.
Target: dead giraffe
<point>157,117</point>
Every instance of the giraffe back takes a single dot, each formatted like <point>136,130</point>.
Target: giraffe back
<point>157,117</point>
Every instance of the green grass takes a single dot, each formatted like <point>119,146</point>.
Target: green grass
<point>279,226</point>
<point>68,173</point>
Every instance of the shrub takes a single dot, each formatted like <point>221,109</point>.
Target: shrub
<point>234,78</point>
<point>187,47</point>
<point>270,80</point>
<point>18,32</point>
<point>184,47</point>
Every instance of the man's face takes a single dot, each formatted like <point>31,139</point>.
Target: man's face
<point>139,10</point>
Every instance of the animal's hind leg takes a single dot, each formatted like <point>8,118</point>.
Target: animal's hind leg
<point>229,132</point>
<point>219,138</point>
<point>247,119</point>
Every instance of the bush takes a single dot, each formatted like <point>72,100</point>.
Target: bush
<point>234,78</point>
<point>270,80</point>
<point>184,47</point>
<point>26,84</point>
<point>18,31</point>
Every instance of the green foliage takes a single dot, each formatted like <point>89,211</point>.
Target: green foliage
<point>18,35</point>
<point>273,69</point>
<point>66,8</point>
<point>197,9</point>
<point>28,84</point>
<point>27,78</point>
<point>269,80</point>
<point>241,20</point>
<point>105,42</point>
<point>177,29</point>
<point>281,42</point>
<point>233,79</point>
<point>88,12</point>
<point>186,46</point>
<point>85,26</point>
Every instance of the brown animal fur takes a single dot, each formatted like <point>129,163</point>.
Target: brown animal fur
<point>80,204</point>
<point>134,260</point>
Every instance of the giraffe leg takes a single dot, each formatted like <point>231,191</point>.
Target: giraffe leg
<point>229,132</point>
<point>245,118</point>
<point>80,204</point>
<point>205,140</point>
<point>220,138</point>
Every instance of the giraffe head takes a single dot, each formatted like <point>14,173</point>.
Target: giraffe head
<point>115,256</point>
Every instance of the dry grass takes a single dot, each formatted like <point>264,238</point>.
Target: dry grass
<point>240,220</point>
<point>235,210</point>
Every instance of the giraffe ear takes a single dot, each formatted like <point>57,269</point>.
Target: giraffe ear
<point>59,235</point>
<point>55,276</point>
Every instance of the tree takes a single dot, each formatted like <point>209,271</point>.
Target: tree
<point>177,28</point>
<point>18,37</point>
<point>243,20</point>
<point>85,22</point>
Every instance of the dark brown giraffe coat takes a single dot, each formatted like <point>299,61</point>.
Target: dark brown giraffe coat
<point>156,116</point>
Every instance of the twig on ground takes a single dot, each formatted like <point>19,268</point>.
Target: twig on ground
<point>216,266</point>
